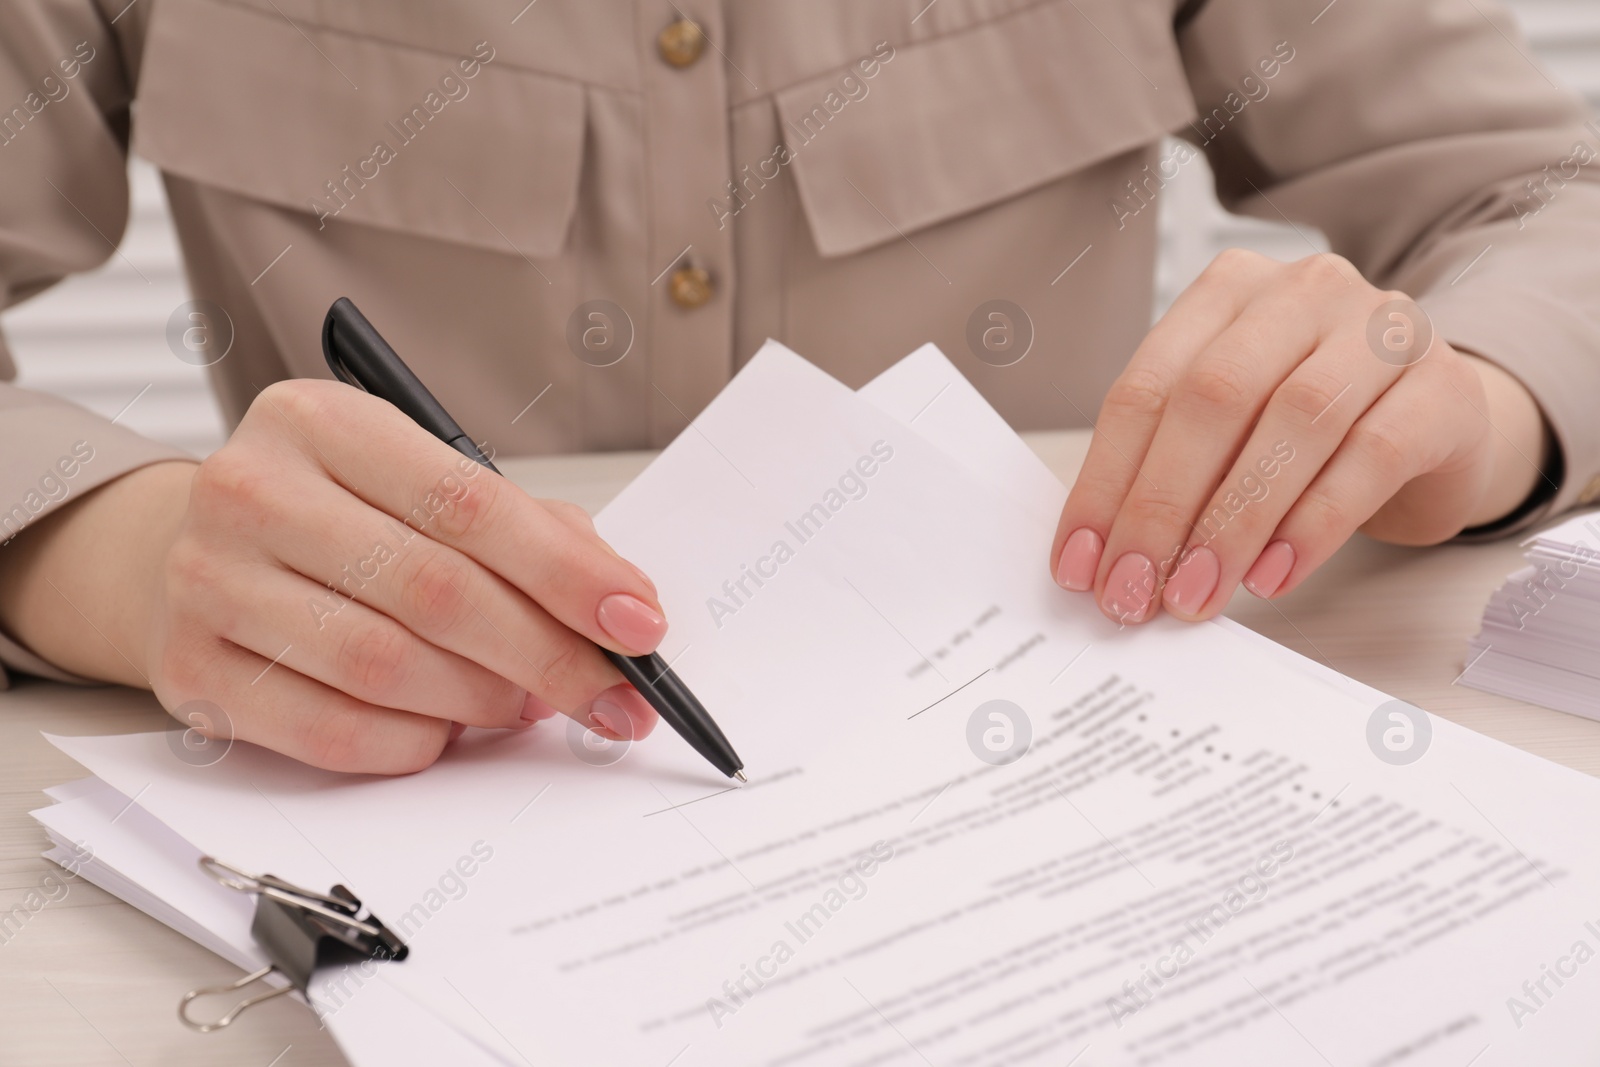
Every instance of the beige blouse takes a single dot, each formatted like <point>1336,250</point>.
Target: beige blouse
<point>576,218</point>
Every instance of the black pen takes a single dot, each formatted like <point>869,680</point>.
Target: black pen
<point>359,356</point>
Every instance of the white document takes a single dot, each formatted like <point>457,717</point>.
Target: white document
<point>1198,857</point>
<point>1540,638</point>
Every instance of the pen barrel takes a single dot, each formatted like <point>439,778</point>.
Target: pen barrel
<point>469,448</point>
<point>678,708</point>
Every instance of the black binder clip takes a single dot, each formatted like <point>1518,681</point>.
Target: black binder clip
<point>300,930</point>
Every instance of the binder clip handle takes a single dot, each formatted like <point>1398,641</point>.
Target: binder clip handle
<point>233,1013</point>
<point>234,878</point>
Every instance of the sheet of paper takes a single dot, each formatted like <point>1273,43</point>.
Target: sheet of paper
<point>1198,857</point>
<point>926,393</point>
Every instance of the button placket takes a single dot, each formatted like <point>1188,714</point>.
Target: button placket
<point>685,127</point>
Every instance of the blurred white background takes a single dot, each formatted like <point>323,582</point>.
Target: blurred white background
<point>100,338</point>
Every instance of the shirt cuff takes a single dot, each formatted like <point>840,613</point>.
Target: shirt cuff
<point>51,453</point>
<point>1530,345</point>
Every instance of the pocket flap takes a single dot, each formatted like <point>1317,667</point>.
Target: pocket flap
<point>953,124</point>
<point>452,145</point>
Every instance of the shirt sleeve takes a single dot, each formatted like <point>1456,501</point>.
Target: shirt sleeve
<point>1437,155</point>
<point>64,106</point>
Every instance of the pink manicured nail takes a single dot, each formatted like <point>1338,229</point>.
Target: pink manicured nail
<point>635,625</point>
<point>1080,558</point>
<point>457,729</point>
<point>1130,588</point>
<point>536,710</point>
<point>622,714</point>
<point>1270,569</point>
<point>1195,580</point>
<point>609,719</point>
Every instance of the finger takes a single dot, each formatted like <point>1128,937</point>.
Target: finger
<point>440,595</point>
<point>580,520</point>
<point>1413,438</point>
<point>289,713</point>
<point>1301,428</point>
<point>348,646</point>
<point>575,517</point>
<point>1134,407</point>
<point>431,487</point>
<point>1208,418</point>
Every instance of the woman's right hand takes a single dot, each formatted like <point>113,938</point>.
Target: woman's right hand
<point>344,587</point>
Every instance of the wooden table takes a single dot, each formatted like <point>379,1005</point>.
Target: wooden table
<point>90,981</point>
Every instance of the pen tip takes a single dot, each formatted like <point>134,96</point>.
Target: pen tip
<point>740,775</point>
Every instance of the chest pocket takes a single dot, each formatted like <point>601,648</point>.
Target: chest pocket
<point>946,126</point>
<point>430,142</point>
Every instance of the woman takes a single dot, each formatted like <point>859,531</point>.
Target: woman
<point>576,220</point>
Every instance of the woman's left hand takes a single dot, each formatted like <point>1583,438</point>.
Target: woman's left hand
<point>1272,412</point>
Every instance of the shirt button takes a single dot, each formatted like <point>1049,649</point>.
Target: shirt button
<point>690,287</point>
<point>681,43</point>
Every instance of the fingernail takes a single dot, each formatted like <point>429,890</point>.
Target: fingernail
<point>607,718</point>
<point>622,714</point>
<point>536,710</point>
<point>1130,587</point>
<point>1194,582</point>
<point>634,625</point>
<point>1080,558</point>
<point>1270,569</point>
<point>457,729</point>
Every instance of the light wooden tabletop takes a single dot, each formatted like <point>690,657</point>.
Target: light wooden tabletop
<point>90,981</point>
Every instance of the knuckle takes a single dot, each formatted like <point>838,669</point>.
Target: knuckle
<point>377,659</point>
<point>1161,512</point>
<point>1220,388</point>
<point>228,481</point>
<point>341,736</point>
<point>463,517</point>
<point>192,572</point>
<point>1321,270</point>
<point>1315,510</point>
<point>1308,394</point>
<point>561,676</point>
<point>1385,446</point>
<point>1454,378</point>
<point>1233,263</point>
<point>1140,392</point>
<point>433,589</point>
<point>1310,270</point>
<point>185,667</point>
<point>336,738</point>
<point>299,400</point>
<point>432,736</point>
<point>501,696</point>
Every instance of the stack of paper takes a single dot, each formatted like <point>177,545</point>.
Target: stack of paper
<point>985,825</point>
<point>1540,639</point>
